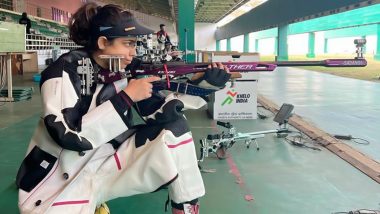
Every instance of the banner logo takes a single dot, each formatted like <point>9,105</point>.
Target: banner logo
<point>230,98</point>
<point>235,97</point>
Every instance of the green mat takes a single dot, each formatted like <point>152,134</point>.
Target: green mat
<point>19,93</point>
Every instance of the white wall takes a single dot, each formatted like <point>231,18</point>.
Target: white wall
<point>223,45</point>
<point>205,36</point>
<point>154,22</point>
<point>266,46</point>
<point>298,44</point>
<point>252,42</point>
<point>237,43</point>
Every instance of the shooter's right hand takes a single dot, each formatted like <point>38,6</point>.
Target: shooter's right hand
<point>140,89</point>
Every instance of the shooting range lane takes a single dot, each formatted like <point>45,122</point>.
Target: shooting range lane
<point>337,105</point>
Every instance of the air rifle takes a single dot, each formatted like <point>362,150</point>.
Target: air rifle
<point>175,69</point>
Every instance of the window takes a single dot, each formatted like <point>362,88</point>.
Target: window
<point>39,12</point>
<point>59,15</point>
<point>6,4</point>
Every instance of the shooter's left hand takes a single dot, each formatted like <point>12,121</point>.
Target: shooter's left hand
<point>216,76</point>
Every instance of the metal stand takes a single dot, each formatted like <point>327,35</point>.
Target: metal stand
<point>185,45</point>
<point>8,70</point>
<point>113,62</point>
<point>89,76</point>
<point>219,143</point>
<point>359,48</point>
<point>87,73</point>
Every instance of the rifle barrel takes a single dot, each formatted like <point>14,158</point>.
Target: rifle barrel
<point>181,68</point>
<point>325,63</point>
<point>299,63</point>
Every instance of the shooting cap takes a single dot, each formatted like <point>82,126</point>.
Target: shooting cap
<point>128,26</point>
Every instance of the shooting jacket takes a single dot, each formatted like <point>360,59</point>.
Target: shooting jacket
<point>86,141</point>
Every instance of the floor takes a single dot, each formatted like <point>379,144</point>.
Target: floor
<point>338,105</point>
<point>280,178</point>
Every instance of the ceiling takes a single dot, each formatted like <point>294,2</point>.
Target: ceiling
<point>214,10</point>
<point>159,8</point>
<point>205,10</point>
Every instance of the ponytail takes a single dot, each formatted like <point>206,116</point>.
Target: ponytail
<point>80,24</point>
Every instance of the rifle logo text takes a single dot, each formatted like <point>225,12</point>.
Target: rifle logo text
<point>240,67</point>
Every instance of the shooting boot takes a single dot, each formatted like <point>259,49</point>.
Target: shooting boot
<point>187,209</point>
<point>102,209</point>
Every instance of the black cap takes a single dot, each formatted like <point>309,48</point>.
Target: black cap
<point>161,25</point>
<point>127,27</point>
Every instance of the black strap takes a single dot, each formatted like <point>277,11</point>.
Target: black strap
<point>180,205</point>
<point>183,88</point>
<point>167,203</point>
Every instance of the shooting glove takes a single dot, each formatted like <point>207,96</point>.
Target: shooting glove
<point>158,110</point>
<point>214,78</point>
<point>162,110</point>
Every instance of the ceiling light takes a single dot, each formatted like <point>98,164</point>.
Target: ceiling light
<point>240,11</point>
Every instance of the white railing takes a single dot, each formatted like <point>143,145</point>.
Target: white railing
<point>41,42</point>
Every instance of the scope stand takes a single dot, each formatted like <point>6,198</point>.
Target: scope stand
<point>219,143</point>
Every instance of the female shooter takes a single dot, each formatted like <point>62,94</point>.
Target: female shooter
<point>91,146</point>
